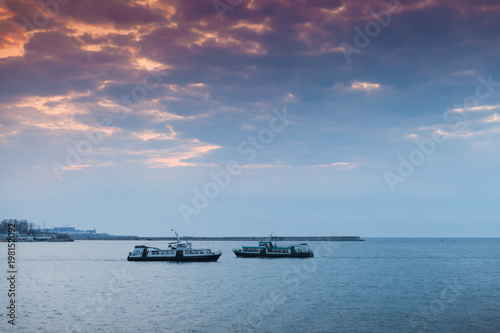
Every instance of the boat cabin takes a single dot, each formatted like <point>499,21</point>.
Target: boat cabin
<point>302,248</point>
<point>139,250</point>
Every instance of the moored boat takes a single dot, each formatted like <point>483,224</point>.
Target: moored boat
<point>268,249</point>
<point>176,251</point>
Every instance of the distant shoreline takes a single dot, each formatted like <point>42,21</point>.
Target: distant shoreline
<point>248,238</point>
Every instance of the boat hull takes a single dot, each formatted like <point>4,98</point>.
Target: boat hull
<point>205,258</point>
<point>274,255</point>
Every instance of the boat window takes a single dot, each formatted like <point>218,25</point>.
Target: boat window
<point>246,249</point>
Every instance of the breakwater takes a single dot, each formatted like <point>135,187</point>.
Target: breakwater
<point>247,238</point>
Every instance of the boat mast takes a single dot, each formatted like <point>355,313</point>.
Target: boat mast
<point>271,238</point>
<point>177,235</point>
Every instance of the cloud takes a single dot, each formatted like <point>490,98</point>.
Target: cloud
<point>4,134</point>
<point>264,166</point>
<point>63,78</point>
<point>120,14</point>
<point>164,116</point>
<point>79,167</point>
<point>494,118</point>
<point>357,86</point>
<point>337,165</point>
<point>175,158</point>
<point>152,135</point>
<point>464,73</point>
<point>471,134</point>
<point>480,108</point>
<point>290,98</point>
<point>365,86</point>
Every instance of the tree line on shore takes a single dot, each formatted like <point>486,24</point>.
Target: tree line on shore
<point>22,226</point>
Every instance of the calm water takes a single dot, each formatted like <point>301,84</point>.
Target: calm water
<point>380,285</point>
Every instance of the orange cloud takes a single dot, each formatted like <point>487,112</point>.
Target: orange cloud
<point>152,135</point>
<point>366,86</point>
<point>168,158</point>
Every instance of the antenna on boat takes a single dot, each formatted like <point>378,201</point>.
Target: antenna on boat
<point>177,235</point>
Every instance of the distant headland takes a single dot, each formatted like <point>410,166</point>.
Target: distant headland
<point>29,232</point>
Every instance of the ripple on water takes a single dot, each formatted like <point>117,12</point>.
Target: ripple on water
<point>375,286</point>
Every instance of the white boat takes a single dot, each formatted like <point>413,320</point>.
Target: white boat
<point>176,251</point>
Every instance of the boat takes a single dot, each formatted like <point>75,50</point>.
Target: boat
<point>268,249</point>
<point>176,251</point>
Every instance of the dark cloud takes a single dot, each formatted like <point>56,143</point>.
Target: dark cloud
<point>55,64</point>
<point>21,8</point>
<point>261,51</point>
<point>120,13</point>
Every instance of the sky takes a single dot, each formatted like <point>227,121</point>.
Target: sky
<point>241,117</point>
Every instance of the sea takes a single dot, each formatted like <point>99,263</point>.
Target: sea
<point>377,285</point>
